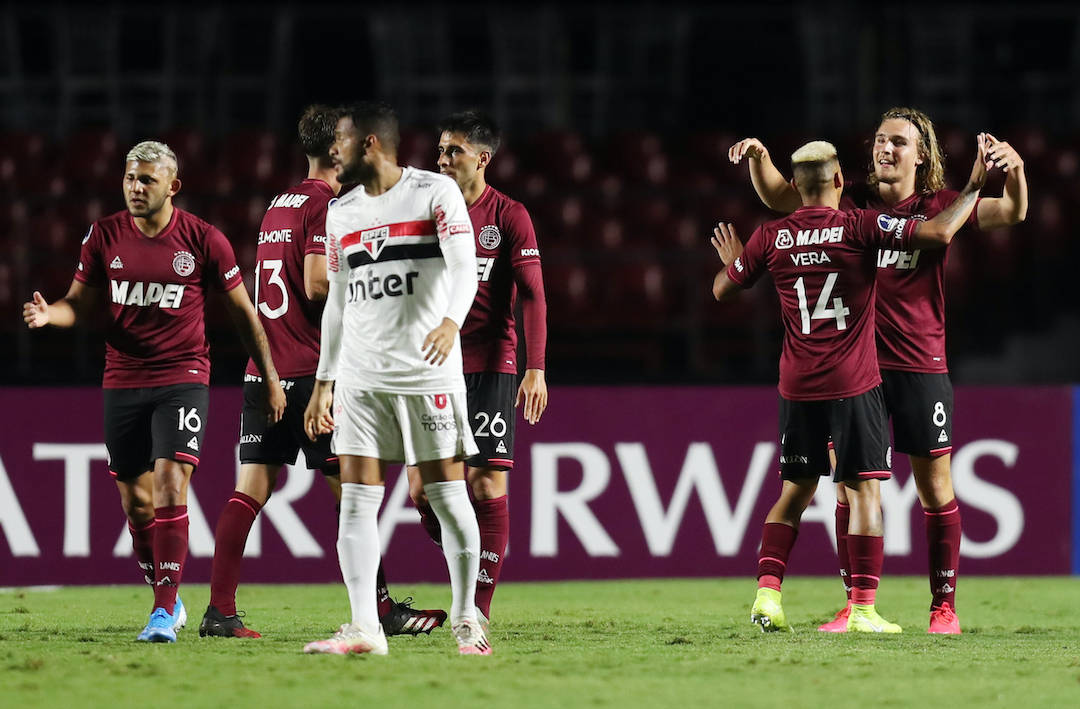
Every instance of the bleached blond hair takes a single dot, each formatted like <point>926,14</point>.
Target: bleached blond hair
<point>154,151</point>
<point>814,151</point>
<point>814,165</point>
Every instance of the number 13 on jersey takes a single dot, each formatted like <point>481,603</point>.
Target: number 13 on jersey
<point>273,279</point>
<point>837,312</point>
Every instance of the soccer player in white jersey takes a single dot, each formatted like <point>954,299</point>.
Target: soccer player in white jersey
<point>401,262</point>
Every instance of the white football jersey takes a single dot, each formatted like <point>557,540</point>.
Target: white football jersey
<point>391,250</point>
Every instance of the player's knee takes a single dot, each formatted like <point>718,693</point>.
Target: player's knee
<point>418,497</point>
<point>487,483</point>
<point>139,512</point>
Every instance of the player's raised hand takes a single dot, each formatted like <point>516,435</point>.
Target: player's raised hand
<point>439,342</point>
<point>1002,154</point>
<point>317,417</point>
<point>746,148</point>
<point>275,401</point>
<point>36,312</point>
<point>726,242</point>
<point>982,165</point>
<point>533,392</point>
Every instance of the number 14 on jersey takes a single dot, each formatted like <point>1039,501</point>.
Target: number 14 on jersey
<point>822,311</point>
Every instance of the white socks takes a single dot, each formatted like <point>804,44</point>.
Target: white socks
<point>358,551</point>
<point>460,544</point>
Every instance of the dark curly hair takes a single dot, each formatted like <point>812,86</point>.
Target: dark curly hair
<point>316,129</point>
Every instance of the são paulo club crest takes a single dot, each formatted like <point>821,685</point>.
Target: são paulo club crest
<point>489,237</point>
<point>183,263</point>
<point>373,240</point>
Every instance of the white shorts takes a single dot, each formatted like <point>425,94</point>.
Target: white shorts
<point>408,428</point>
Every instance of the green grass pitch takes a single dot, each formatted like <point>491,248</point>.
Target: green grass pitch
<point>679,643</point>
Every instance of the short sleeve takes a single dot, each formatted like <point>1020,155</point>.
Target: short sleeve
<point>222,271</point>
<point>315,227</point>
<point>337,269</point>
<point>90,269</point>
<point>520,235</point>
<point>451,215</point>
<point>746,269</point>
<point>881,230</point>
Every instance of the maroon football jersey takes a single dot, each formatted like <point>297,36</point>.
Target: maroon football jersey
<point>823,263</point>
<point>505,240</point>
<point>294,226</point>
<point>156,289</point>
<point>911,287</point>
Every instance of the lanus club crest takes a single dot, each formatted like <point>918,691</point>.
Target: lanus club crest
<point>373,240</point>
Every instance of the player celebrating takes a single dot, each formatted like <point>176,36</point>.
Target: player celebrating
<point>157,262</point>
<point>402,278</point>
<point>907,180</point>
<point>508,263</point>
<point>822,262</point>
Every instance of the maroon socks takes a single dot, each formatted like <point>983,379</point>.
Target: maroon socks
<point>230,538</point>
<point>142,542</point>
<point>430,522</point>
<point>776,543</point>
<point>170,553</point>
<point>843,514</point>
<point>493,518</point>
<point>382,592</point>
<point>865,556</point>
<point>943,551</point>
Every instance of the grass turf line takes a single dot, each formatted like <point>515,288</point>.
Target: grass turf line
<point>674,643</point>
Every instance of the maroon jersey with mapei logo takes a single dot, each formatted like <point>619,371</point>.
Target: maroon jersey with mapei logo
<point>156,289</point>
<point>824,263</point>
<point>911,287</point>
<point>505,241</point>
<point>293,227</point>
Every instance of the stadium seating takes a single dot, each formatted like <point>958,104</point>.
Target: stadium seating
<point>623,225</point>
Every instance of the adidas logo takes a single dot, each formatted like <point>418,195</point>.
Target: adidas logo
<point>116,263</point>
<point>942,437</point>
<point>501,448</point>
<point>193,444</point>
<point>483,577</point>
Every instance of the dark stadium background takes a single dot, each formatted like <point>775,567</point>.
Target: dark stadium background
<point>618,117</point>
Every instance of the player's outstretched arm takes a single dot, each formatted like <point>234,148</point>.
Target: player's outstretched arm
<point>728,247</point>
<point>62,313</point>
<point>253,336</point>
<point>1011,207</point>
<point>775,192</point>
<point>939,231</point>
